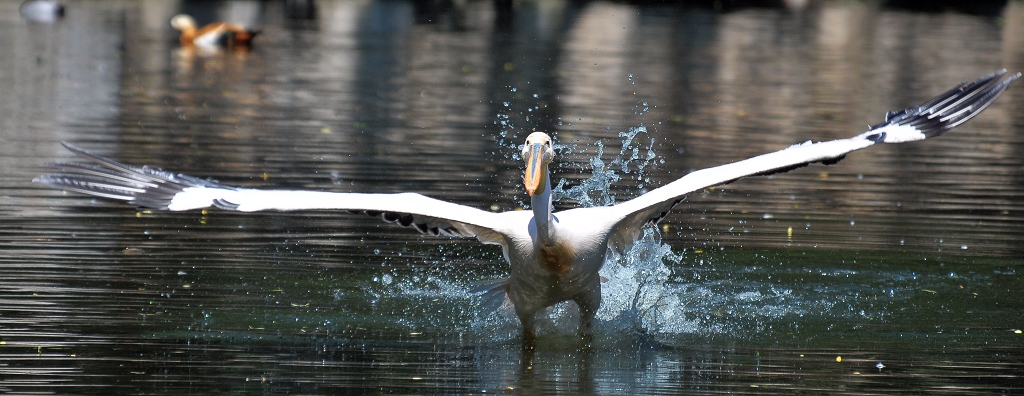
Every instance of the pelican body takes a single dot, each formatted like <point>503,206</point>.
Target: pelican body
<point>553,257</point>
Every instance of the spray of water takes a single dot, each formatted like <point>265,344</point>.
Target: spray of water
<point>634,296</point>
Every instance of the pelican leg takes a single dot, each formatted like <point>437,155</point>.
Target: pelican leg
<point>588,301</point>
<point>529,331</point>
<point>529,339</point>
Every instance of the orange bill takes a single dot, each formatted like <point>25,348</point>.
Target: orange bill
<point>536,169</point>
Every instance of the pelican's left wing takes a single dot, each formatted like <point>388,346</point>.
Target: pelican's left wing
<point>930,119</point>
<point>158,189</point>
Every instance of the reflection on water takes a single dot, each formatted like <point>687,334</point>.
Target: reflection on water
<point>905,255</point>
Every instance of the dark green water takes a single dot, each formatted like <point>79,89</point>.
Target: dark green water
<point>895,271</point>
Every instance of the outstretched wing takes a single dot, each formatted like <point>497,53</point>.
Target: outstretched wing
<point>158,189</point>
<point>930,119</point>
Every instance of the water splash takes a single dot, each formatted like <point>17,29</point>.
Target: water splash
<point>592,191</point>
<point>634,152</point>
<point>634,296</point>
<point>596,190</point>
<point>509,113</point>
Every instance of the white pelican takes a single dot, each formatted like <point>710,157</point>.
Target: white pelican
<point>554,257</point>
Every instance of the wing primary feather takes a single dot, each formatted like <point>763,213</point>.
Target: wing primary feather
<point>105,178</point>
<point>947,110</point>
<point>492,294</point>
<point>391,217</point>
<point>100,171</point>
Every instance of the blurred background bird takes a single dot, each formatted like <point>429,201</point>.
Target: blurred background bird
<point>213,35</point>
<point>42,11</point>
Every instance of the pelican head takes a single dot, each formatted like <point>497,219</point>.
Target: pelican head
<point>538,153</point>
<point>183,22</point>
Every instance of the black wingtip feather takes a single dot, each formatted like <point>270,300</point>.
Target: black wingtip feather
<point>953,107</point>
<point>105,178</point>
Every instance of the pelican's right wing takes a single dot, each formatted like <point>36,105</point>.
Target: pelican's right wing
<point>930,119</point>
<point>158,189</point>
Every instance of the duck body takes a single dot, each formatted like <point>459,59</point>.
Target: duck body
<point>42,11</point>
<point>213,35</point>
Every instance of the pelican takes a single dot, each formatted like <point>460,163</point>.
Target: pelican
<point>212,35</point>
<point>553,257</point>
